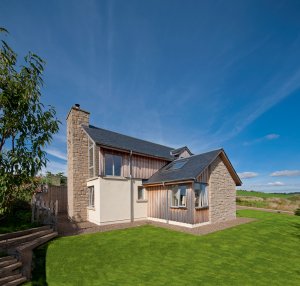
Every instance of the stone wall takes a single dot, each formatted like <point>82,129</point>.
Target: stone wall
<point>77,143</point>
<point>222,193</point>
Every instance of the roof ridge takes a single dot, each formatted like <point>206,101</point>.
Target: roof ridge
<point>128,136</point>
<point>195,155</point>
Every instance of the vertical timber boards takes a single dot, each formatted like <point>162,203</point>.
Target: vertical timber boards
<point>157,205</point>
<point>201,215</point>
<point>142,167</point>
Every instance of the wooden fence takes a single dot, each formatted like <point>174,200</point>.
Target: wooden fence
<point>53,194</point>
<point>44,213</point>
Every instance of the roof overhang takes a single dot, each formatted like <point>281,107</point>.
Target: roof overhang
<point>133,152</point>
<point>174,182</point>
<point>229,166</point>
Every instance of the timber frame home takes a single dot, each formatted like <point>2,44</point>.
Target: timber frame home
<point>114,178</point>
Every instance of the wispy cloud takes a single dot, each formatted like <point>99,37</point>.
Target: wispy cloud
<point>57,153</point>
<point>267,137</point>
<point>247,175</point>
<point>286,173</point>
<point>272,136</point>
<point>55,167</point>
<point>275,184</point>
<point>270,184</point>
<point>274,91</point>
<point>60,138</point>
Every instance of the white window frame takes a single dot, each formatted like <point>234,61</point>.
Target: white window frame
<point>91,197</point>
<point>202,188</point>
<point>91,160</point>
<point>141,188</point>
<point>176,192</point>
<point>113,165</point>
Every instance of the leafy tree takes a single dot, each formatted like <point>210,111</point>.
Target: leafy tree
<point>26,125</point>
<point>58,179</point>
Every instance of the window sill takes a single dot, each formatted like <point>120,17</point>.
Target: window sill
<point>201,208</point>
<point>183,207</point>
<point>92,179</point>
<point>91,208</point>
<point>142,201</point>
<point>114,178</point>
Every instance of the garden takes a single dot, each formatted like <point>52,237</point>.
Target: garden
<point>265,251</point>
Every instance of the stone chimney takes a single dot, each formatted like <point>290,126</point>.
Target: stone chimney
<point>77,144</point>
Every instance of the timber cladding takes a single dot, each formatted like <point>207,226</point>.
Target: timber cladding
<point>142,167</point>
<point>159,206</point>
<point>56,193</point>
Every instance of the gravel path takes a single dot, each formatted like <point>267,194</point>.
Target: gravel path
<point>262,209</point>
<point>66,227</point>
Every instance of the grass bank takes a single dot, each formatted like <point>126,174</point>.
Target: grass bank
<point>279,201</point>
<point>259,253</point>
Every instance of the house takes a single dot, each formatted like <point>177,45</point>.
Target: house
<point>114,178</point>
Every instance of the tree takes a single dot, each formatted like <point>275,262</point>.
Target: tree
<point>58,179</point>
<point>26,125</point>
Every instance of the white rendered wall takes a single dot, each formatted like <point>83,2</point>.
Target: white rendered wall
<point>93,214</point>
<point>115,200</point>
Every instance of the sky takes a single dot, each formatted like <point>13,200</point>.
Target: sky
<point>206,74</point>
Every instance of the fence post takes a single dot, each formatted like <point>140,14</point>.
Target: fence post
<point>32,209</point>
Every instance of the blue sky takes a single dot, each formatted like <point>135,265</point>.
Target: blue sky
<point>206,74</point>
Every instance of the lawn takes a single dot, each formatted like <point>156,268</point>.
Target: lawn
<point>263,252</point>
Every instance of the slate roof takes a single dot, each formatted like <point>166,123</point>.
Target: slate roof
<point>181,149</point>
<point>116,140</point>
<point>189,171</point>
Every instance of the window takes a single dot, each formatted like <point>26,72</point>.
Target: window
<point>178,196</point>
<point>201,198</point>
<point>177,165</point>
<point>91,195</point>
<point>141,193</point>
<point>91,159</point>
<point>113,164</point>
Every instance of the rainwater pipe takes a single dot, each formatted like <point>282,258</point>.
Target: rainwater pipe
<point>131,189</point>
<point>167,204</point>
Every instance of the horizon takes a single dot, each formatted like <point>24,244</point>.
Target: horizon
<point>206,75</point>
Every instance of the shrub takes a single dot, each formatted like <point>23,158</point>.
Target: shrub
<point>297,211</point>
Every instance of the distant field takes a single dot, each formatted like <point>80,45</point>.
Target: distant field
<point>277,201</point>
<point>265,195</point>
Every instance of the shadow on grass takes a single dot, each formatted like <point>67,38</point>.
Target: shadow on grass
<point>39,266</point>
<point>297,226</point>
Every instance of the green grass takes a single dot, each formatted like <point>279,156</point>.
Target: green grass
<point>265,195</point>
<point>264,252</point>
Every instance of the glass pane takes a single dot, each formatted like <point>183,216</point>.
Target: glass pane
<point>177,165</point>
<point>182,197</point>
<point>91,157</point>
<point>108,164</point>
<point>117,165</point>
<point>175,197</point>
<point>91,196</point>
<point>197,195</point>
<point>140,193</point>
<point>91,172</point>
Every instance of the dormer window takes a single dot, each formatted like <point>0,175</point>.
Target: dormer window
<point>182,152</point>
